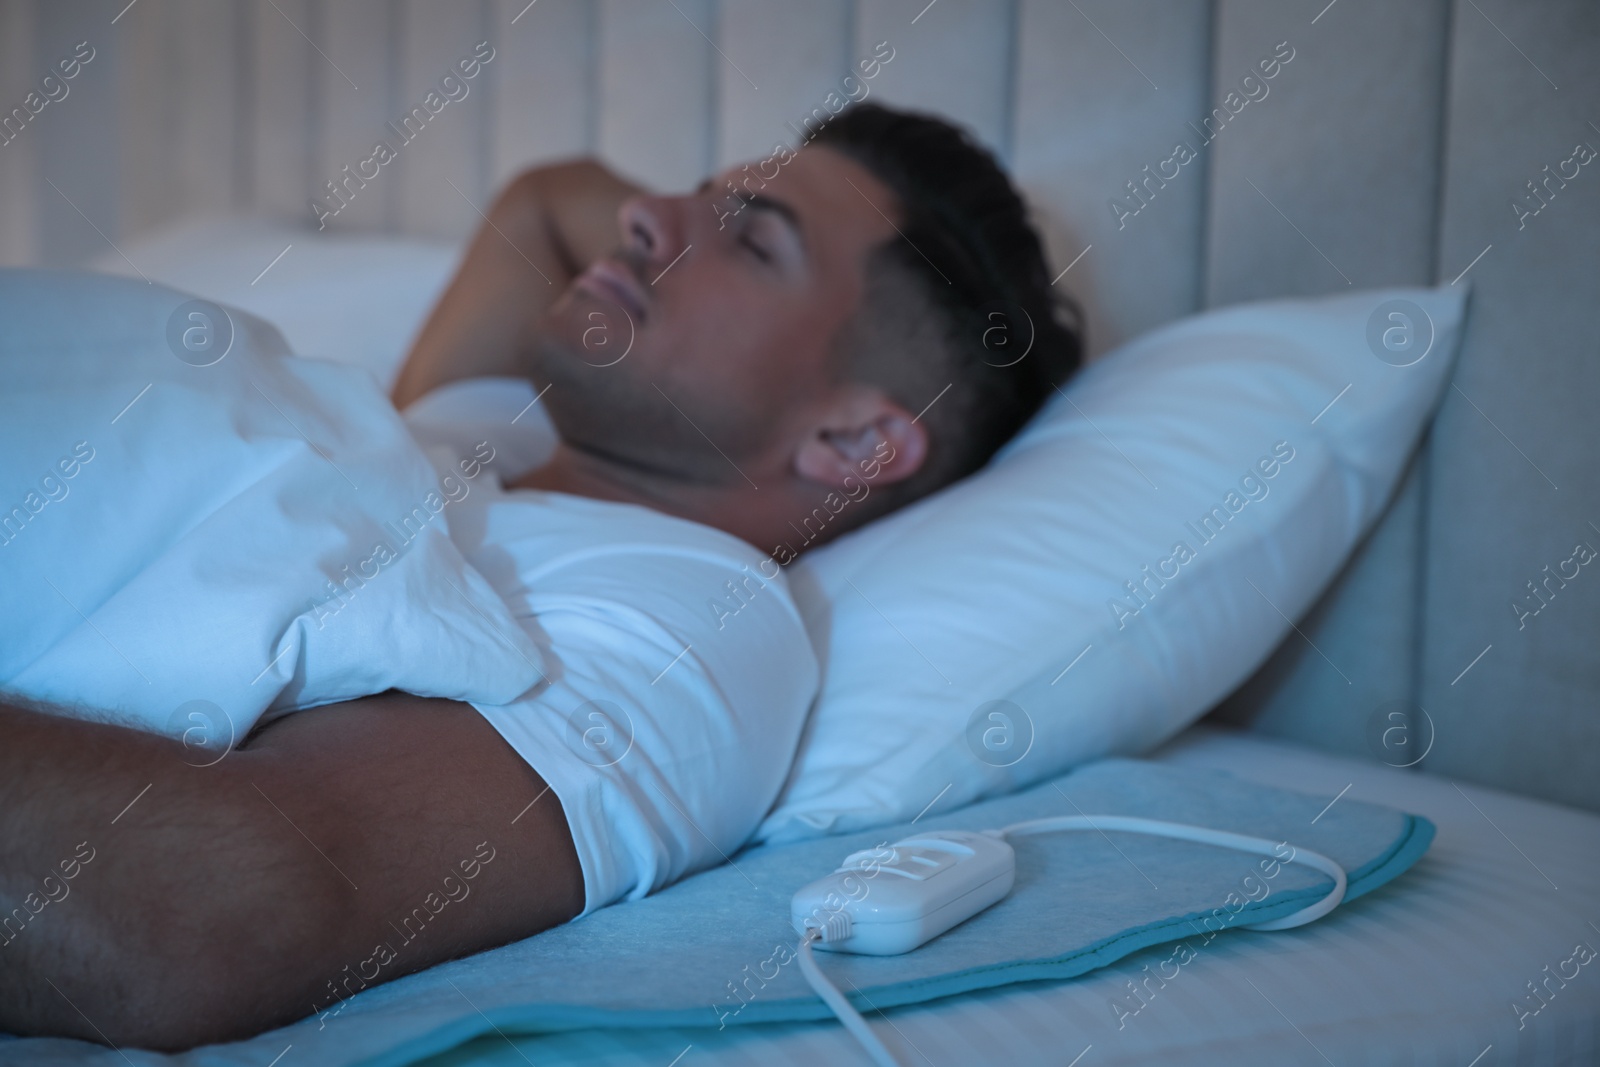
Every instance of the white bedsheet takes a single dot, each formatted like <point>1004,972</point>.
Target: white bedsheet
<point>1424,971</point>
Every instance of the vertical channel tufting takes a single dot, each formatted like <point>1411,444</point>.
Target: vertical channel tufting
<point>950,57</point>
<point>439,183</point>
<point>1103,90</point>
<point>798,54</point>
<point>716,74</point>
<point>655,81</point>
<point>82,148</point>
<point>542,102</point>
<point>241,142</point>
<point>1511,673</point>
<point>353,80</point>
<point>18,185</point>
<point>1425,458</point>
<point>1008,100</point>
<point>78,148</point>
<point>1327,182</point>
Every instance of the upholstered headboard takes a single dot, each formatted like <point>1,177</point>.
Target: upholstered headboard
<point>1393,141</point>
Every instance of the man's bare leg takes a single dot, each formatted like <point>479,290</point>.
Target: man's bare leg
<point>210,903</point>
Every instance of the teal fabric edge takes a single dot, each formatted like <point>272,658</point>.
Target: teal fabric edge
<point>526,1019</point>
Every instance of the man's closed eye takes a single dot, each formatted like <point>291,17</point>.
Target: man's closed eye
<point>755,248</point>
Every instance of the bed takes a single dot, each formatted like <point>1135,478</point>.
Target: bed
<point>1401,144</point>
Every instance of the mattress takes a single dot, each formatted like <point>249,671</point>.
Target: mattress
<point>1459,962</point>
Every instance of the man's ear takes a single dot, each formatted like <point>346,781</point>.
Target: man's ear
<point>877,442</point>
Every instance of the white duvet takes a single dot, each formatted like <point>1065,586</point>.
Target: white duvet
<point>198,529</point>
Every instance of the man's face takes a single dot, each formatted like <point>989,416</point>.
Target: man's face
<point>712,328</point>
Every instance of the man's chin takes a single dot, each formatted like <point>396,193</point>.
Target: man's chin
<point>581,325</point>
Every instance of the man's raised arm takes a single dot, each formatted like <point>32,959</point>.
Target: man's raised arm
<point>149,902</point>
<point>543,229</point>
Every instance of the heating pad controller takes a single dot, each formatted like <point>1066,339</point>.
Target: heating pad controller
<point>896,897</point>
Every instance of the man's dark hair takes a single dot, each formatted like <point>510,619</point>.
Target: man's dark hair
<point>955,298</point>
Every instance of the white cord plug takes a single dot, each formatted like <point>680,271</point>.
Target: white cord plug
<point>835,926</point>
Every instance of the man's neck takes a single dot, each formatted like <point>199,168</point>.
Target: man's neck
<point>581,473</point>
<point>778,514</point>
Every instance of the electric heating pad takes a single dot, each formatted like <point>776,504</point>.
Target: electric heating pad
<point>720,948</point>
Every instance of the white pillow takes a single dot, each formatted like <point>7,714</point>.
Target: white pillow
<point>971,642</point>
<point>346,297</point>
<point>176,506</point>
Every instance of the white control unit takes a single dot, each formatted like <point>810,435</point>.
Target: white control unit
<point>903,895</point>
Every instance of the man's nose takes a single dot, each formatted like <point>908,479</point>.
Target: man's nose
<point>652,227</point>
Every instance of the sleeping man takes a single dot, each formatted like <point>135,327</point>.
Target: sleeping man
<point>813,335</point>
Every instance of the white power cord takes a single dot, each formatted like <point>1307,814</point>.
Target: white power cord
<point>835,1000</point>
<point>1184,832</point>
<point>837,925</point>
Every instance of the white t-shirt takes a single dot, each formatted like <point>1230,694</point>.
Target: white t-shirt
<point>680,674</point>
